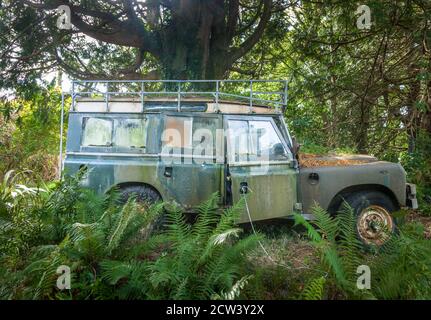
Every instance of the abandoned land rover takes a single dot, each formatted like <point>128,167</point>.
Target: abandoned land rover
<point>182,141</point>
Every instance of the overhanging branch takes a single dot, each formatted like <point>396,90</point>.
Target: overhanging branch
<point>248,44</point>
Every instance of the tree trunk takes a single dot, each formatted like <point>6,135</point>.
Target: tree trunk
<point>194,44</point>
<point>362,136</point>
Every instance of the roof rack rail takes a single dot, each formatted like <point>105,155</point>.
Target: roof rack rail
<point>271,93</point>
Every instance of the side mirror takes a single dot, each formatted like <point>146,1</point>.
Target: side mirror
<point>295,146</point>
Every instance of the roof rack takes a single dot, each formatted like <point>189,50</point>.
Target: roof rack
<point>270,93</point>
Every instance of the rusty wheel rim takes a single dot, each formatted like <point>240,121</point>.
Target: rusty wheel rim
<point>375,225</point>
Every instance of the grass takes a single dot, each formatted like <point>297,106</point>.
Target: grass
<point>281,270</point>
<point>290,263</point>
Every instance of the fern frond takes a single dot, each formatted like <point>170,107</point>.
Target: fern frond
<point>177,228</point>
<point>229,217</point>
<point>114,271</point>
<point>350,247</point>
<point>222,237</point>
<point>315,289</point>
<point>328,226</point>
<point>208,217</point>
<point>128,213</point>
<point>312,233</point>
<point>235,291</point>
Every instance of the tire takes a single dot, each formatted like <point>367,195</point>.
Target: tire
<point>372,209</point>
<point>145,196</point>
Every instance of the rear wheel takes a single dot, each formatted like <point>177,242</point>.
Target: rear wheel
<point>373,211</point>
<point>145,197</point>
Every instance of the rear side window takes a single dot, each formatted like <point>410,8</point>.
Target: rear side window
<point>118,133</point>
<point>190,135</point>
<point>178,133</point>
<point>97,132</point>
<point>130,133</point>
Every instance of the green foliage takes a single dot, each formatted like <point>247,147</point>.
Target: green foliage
<point>315,289</point>
<point>418,167</point>
<point>19,226</point>
<point>200,261</point>
<point>400,269</point>
<point>339,245</point>
<point>28,116</point>
<point>108,249</point>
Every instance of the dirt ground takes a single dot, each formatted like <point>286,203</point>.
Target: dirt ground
<point>414,216</point>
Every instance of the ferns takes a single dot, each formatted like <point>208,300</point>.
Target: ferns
<point>110,253</point>
<point>315,289</point>
<point>341,251</point>
<point>204,259</point>
<point>399,269</point>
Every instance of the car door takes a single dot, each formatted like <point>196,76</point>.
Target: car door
<point>260,163</point>
<point>189,169</point>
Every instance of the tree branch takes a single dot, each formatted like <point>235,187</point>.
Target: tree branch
<point>232,19</point>
<point>130,32</point>
<point>248,44</point>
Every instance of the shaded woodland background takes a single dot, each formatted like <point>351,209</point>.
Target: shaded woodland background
<point>351,91</point>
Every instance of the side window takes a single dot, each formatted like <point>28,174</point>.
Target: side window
<point>254,141</point>
<point>97,132</point>
<point>265,143</point>
<point>177,135</point>
<point>204,136</point>
<point>130,133</point>
<point>238,141</point>
<point>193,136</point>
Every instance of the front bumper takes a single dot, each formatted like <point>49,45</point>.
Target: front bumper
<point>411,200</point>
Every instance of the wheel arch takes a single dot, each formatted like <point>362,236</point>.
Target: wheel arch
<point>338,198</point>
<point>124,185</point>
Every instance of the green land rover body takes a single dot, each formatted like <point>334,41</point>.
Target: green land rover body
<point>153,146</point>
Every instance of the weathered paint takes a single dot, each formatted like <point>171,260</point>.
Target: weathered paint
<point>274,189</point>
<point>108,167</point>
<point>271,190</point>
<point>333,180</point>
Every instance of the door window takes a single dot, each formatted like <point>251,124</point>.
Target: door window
<point>238,141</point>
<point>254,140</point>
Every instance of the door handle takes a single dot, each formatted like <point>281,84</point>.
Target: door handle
<point>168,172</point>
<point>243,187</point>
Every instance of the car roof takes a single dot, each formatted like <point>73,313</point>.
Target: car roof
<point>197,104</point>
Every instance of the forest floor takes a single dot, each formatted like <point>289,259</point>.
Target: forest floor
<point>286,259</point>
<point>414,216</point>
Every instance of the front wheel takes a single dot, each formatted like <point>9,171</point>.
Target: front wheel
<point>373,211</point>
